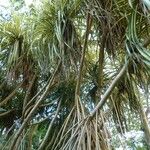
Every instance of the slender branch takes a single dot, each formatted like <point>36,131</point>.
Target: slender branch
<point>34,108</point>
<point>30,108</point>
<point>41,121</point>
<point>101,60</point>
<point>6,113</point>
<point>34,97</point>
<point>45,140</point>
<point>88,27</point>
<point>145,123</point>
<point>10,95</point>
<point>147,42</point>
<point>28,93</point>
<point>2,85</point>
<point>113,84</point>
<point>109,90</point>
<point>32,100</point>
<point>30,137</point>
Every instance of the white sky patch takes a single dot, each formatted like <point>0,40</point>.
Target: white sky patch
<point>4,3</point>
<point>36,2</point>
<point>28,2</point>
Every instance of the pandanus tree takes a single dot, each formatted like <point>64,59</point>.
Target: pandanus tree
<point>68,68</point>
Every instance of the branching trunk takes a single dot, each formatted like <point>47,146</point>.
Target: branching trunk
<point>25,101</point>
<point>34,108</point>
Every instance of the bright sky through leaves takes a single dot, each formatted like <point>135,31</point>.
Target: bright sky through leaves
<point>6,2</point>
